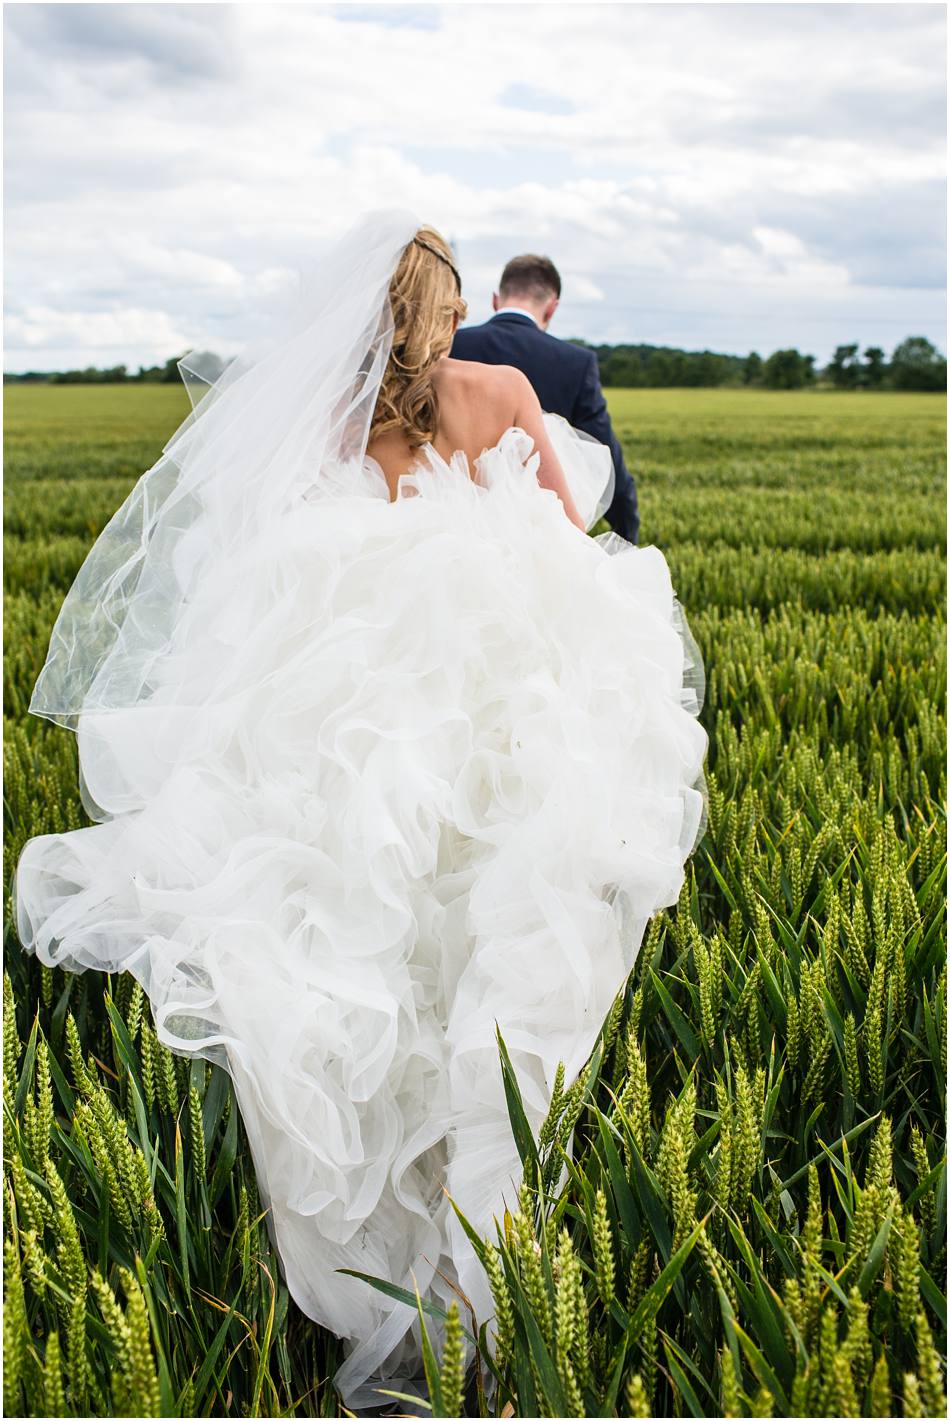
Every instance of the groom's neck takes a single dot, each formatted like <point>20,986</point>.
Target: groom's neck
<point>514,309</point>
<point>541,311</point>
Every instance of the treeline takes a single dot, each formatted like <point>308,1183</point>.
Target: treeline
<point>166,374</point>
<point>915,364</point>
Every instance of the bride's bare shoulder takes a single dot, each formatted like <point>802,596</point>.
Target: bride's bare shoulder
<point>498,385</point>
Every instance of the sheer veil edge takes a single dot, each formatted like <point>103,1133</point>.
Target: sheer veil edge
<point>298,399</point>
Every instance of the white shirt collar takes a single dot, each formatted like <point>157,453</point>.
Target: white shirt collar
<point>517,311</point>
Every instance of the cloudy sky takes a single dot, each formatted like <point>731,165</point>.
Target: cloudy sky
<point>715,175</point>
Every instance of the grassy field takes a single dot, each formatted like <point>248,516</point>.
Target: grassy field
<point>755,1220</point>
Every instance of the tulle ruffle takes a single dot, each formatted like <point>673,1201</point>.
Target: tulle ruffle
<point>410,771</point>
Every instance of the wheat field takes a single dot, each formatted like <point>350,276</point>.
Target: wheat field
<point>754,1219</point>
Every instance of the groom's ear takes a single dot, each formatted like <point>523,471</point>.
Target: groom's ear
<point>495,301</point>
<point>549,310</point>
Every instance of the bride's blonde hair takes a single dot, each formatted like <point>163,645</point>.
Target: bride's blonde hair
<point>425,296</point>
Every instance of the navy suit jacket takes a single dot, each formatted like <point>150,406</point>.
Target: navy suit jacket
<point>566,381</point>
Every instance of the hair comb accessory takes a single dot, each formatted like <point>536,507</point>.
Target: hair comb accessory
<point>421,242</point>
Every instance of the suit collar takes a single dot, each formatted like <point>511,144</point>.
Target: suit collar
<point>521,317</point>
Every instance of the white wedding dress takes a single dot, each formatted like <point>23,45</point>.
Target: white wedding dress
<point>371,778</point>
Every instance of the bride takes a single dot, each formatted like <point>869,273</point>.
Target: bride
<point>383,751</point>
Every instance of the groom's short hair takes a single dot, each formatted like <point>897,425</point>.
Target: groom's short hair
<point>530,275</point>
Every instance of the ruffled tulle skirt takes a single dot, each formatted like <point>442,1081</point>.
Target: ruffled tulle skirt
<point>437,765</point>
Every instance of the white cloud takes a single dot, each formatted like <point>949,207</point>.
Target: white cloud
<point>582,287</point>
<point>733,174</point>
<point>39,327</point>
<point>785,256</point>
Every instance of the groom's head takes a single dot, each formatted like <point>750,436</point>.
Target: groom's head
<point>533,283</point>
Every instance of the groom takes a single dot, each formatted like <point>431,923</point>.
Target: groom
<point>565,376</point>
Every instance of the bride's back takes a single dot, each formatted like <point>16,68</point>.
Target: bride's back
<point>474,406</point>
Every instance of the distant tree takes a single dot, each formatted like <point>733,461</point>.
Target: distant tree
<point>679,368</point>
<point>89,376</point>
<point>917,365</point>
<point>622,369</point>
<point>708,369</point>
<point>147,373</point>
<point>787,370</point>
<point>845,367</point>
<point>659,369</point>
<point>752,369</point>
<point>690,371</point>
<point>875,366</point>
<point>632,365</point>
<point>212,366</point>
